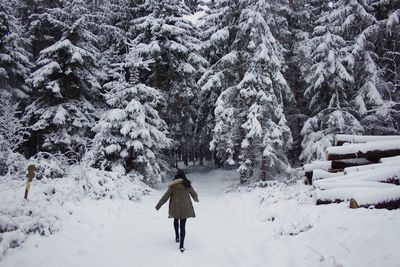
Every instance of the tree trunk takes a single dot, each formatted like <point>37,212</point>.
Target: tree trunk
<point>185,158</point>
<point>263,176</point>
<point>242,133</point>
<point>201,155</point>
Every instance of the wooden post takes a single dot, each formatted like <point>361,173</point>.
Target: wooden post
<point>31,174</point>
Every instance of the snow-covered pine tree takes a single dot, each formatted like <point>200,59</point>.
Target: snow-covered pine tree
<point>386,38</point>
<point>65,85</point>
<point>161,33</point>
<point>42,29</point>
<point>300,25</point>
<point>193,5</point>
<point>120,13</point>
<point>354,21</point>
<point>249,120</point>
<point>277,17</point>
<point>131,133</point>
<point>110,21</point>
<point>14,56</point>
<point>215,33</point>
<point>219,29</point>
<point>302,22</point>
<point>330,91</point>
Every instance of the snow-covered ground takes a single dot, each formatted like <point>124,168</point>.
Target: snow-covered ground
<point>274,226</point>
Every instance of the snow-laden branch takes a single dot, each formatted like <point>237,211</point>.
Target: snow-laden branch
<point>12,132</point>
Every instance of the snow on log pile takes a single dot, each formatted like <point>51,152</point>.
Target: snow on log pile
<point>372,151</point>
<point>373,182</point>
<point>331,166</point>
<point>341,139</point>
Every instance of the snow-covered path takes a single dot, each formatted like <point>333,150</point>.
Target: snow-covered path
<point>229,230</point>
<point>126,233</point>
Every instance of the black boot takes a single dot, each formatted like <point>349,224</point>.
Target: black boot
<point>181,248</point>
<point>182,227</point>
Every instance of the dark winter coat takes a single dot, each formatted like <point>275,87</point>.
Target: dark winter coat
<point>180,205</point>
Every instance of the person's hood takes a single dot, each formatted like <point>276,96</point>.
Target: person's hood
<point>178,182</point>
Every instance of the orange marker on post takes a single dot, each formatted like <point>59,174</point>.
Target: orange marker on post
<point>31,174</point>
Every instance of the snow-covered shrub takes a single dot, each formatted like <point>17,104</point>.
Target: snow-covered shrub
<point>49,165</point>
<point>278,205</point>
<point>19,219</point>
<point>48,199</point>
<point>17,166</point>
<point>99,184</point>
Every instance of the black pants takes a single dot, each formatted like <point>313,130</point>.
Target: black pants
<point>180,223</point>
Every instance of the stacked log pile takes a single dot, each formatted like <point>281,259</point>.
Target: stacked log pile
<point>363,169</point>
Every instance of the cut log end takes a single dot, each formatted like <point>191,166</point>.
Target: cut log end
<point>353,204</point>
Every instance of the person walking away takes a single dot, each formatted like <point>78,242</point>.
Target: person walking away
<point>180,205</point>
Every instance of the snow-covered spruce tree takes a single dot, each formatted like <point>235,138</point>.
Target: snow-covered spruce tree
<point>299,24</point>
<point>219,29</point>
<point>330,91</point>
<point>217,45</point>
<point>278,13</point>
<point>38,18</point>
<point>122,12</point>
<point>110,21</point>
<point>249,120</point>
<point>65,85</point>
<point>131,133</point>
<point>372,108</point>
<point>387,48</point>
<point>193,5</point>
<point>161,33</point>
<point>14,56</point>
<point>354,21</point>
<point>302,21</point>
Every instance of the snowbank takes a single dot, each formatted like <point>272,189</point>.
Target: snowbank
<point>301,234</point>
<point>49,199</point>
